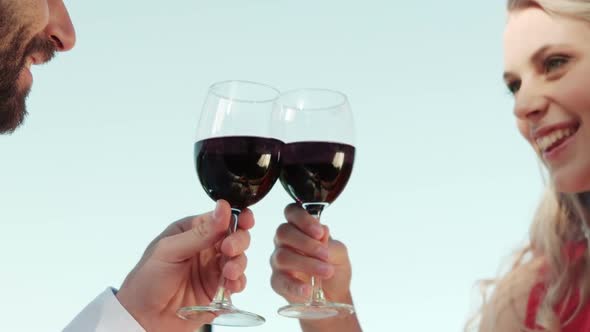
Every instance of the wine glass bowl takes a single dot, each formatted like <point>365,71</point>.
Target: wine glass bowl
<point>238,169</point>
<point>316,172</point>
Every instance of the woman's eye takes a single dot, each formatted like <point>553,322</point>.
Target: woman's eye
<point>553,63</point>
<point>513,86</point>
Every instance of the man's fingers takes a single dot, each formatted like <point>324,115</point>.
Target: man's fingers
<point>290,236</point>
<point>235,268</point>
<point>196,234</point>
<point>236,243</point>
<point>246,219</point>
<point>304,221</point>
<point>289,287</point>
<point>236,286</point>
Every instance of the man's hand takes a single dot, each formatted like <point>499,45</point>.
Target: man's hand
<point>181,267</point>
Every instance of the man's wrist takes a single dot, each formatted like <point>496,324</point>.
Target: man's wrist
<point>127,305</point>
<point>105,313</point>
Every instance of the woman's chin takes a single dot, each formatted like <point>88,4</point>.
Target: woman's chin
<point>571,184</point>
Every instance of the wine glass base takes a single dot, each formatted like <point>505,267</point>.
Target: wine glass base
<point>225,315</point>
<point>314,311</point>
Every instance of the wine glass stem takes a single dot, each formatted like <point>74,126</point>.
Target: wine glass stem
<point>317,293</point>
<point>222,296</point>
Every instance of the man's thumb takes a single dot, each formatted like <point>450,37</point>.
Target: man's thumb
<point>197,234</point>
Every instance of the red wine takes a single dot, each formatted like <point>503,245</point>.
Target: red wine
<point>238,169</point>
<point>316,172</point>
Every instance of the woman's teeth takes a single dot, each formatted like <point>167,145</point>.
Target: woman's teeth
<point>546,142</point>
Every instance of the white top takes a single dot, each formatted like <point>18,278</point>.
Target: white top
<point>104,314</point>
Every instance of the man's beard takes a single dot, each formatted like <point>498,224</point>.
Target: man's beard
<point>12,62</point>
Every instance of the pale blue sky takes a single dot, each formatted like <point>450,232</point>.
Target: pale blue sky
<point>443,187</point>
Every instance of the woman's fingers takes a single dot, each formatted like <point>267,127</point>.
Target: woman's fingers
<point>292,237</point>
<point>289,287</point>
<point>299,218</point>
<point>285,259</point>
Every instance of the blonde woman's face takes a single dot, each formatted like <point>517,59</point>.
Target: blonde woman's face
<point>547,68</point>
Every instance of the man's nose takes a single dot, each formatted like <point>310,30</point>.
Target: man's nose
<point>60,28</point>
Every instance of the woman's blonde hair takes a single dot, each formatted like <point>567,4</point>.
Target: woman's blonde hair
<point>556,224</point>
<point>547,260</point>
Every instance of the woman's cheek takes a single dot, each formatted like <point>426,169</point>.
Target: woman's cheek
<point>523,128</point>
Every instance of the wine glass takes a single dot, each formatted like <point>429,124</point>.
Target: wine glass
<point>317,128</point>
<point>238,161</point>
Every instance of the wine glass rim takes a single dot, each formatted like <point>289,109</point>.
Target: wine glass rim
<point>213,89</point>
<point>336,92</point>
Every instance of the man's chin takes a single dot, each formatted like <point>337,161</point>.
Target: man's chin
<point>12,113</point>
<point>8,126</point>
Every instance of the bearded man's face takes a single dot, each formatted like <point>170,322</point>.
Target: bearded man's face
<point>31,31</point>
